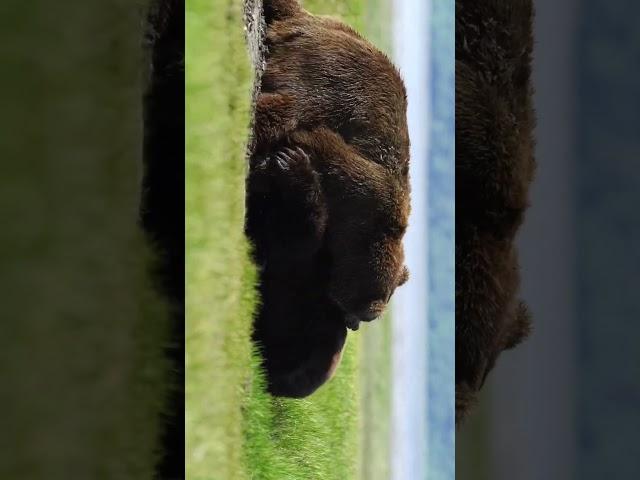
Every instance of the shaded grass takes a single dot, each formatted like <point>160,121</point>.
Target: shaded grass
<point>234,429</point>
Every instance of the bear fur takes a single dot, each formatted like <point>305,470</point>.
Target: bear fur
<point>327,192</point>
<point>494,168</point>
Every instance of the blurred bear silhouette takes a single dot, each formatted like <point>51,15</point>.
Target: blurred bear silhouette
<point>327,190</point>
<point>162,205</point>
<point>494,167</point>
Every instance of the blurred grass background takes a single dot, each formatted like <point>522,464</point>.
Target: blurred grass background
<point>83,372</point>
<point>234,429</point>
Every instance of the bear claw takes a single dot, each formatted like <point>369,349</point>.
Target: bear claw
<point>288,158</point>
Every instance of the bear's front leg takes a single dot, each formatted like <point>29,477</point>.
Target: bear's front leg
<point>274,118</point>
<point>344,170</point>
<point>287,206</point>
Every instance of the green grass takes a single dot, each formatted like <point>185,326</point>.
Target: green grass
<point>234,429</point>
<point>375,400</point>
<point>219,275</point>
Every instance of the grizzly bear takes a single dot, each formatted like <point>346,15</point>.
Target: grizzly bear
<point>494,167</point>
<point>327,191</point>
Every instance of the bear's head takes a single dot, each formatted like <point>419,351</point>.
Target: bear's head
<point>361,152</point>
<point>364,238</point>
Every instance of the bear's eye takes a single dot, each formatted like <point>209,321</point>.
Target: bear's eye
<point>397,230</point>
<point>394,232</point>
<point>352,129</point>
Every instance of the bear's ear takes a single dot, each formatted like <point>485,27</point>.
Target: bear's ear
<point>404,276</point>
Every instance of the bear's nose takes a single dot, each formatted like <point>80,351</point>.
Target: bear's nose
<point>368,315</point>
<point>372,311</point>
<point>352,322</point>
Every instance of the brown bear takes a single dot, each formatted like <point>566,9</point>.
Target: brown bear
<point>327,191</point>
<point>494,167</point>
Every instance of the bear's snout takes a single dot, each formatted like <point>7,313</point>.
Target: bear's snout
<point>367,313</point>
<point>372,311</point>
